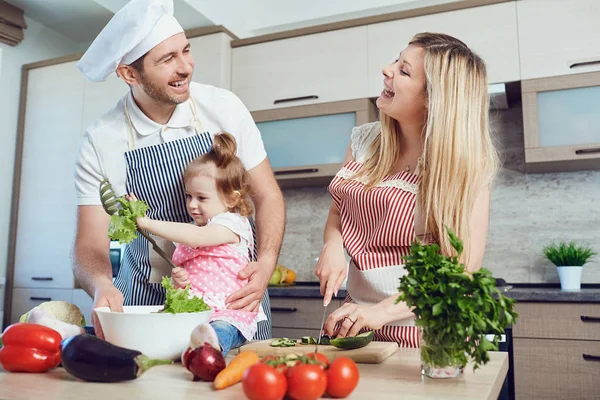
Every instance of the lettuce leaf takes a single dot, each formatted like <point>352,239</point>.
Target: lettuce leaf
<point>179,301</point>
<point>123,226</point>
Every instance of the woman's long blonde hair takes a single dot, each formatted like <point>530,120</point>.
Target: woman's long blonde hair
<point>459,157</point>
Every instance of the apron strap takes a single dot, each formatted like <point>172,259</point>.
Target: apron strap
<point>131,137</point>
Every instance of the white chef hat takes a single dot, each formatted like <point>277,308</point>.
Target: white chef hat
<point>132,32</point>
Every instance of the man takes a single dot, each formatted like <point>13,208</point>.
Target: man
<point>142,146</point>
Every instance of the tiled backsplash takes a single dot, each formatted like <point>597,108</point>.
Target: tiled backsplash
<point>527,212</point>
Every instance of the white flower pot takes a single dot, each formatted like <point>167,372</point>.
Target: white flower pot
<point>570,278</point>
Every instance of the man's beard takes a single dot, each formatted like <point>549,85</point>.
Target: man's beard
<point>160,95</point>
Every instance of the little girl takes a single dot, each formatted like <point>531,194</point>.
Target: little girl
<point>212,251</point>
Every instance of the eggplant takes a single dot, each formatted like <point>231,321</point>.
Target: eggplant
<point>92,359</point>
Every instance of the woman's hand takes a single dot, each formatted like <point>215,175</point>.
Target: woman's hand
<point>331,271</point>
<point>181,278</point>
<point>142,222</point>
<point>353,318</point>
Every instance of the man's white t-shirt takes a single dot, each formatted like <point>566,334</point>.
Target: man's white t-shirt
<point>102,152</point>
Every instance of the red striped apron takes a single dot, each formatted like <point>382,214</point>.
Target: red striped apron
<point>378,230</point>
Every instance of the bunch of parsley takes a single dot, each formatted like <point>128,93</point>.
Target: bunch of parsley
<point>454,309</point>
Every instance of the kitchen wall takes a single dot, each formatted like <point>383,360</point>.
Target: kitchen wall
<point>40,43</point>
<point>527,212</point>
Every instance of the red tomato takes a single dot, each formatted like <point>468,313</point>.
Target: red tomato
<point>306,382</point>
<point>342,377</point>
<point>262,382</point>
<point>320,357</point>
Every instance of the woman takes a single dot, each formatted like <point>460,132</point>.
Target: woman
<point>427,164</point>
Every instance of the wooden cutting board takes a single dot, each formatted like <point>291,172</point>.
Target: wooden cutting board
<point>373,353</point>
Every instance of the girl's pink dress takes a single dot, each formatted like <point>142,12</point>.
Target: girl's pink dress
<point>214,272</point>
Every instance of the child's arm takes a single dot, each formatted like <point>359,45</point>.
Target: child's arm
<point>187,234</point>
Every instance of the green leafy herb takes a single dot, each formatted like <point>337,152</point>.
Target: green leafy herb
<point>179,301</point>
<point>123,225</point>
<point>455,311</point>
<point>568,254</point>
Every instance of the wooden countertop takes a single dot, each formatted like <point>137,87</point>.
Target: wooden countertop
<point>398,375</point>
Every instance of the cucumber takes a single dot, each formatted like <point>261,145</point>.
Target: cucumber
<point>283,342</point>
<point>356,342</point>
<point>308,340</point>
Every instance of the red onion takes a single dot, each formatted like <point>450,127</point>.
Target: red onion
<point>205,362</point>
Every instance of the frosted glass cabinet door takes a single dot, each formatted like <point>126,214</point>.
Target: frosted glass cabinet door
<point>569,117</point>
<point>307,141</point>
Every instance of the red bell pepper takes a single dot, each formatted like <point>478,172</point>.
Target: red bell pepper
<point>30,348</point>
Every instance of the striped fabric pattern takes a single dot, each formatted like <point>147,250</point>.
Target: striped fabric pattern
<point>378,228</point>
<point>377,225</point>
<point>154,174</point>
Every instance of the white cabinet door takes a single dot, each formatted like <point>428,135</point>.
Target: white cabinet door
<point>318,68</point>
<point>82,300</point>
<point>490,31</point>
<point>212,56</point>
<point>24,300</point>
<point>47,203</point>
<point>101,97</point>
<point>558,37</point>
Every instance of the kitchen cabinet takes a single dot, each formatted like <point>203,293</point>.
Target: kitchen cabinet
<point>317,68</point>
<point>490,31</point>
<point>561,122</point>
<point>557,351</point>
<point>558,37</point>
<point>47,203</point>
<point>212,56</point>
<point>297,317</point>
<point>26,299</point>
<point>306,145</point>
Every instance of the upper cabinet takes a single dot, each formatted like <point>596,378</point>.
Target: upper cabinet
<point>318,68</point>
<point>558,37</point>
<point>212,55</point>
<point>306,145</point>
<point>561,122</point>
<point>491,31</point>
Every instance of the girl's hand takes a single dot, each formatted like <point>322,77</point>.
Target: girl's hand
<point>181,278</point>
<point>331,271</point>
<point>353,319</point>
<point>142,222</point>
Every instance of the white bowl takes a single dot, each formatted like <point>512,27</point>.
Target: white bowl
<point>156,335</point>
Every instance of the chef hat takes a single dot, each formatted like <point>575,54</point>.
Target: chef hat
<point>132,32</point>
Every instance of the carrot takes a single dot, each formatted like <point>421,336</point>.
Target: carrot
<point>234,372</point>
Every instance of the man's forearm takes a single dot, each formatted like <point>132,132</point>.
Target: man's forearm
<point>91,268</point>
<point>270,223</point>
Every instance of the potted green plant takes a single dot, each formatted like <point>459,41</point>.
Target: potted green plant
<point>454,310</point>
<point>569,259</point>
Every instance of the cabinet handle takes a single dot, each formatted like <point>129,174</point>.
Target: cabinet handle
<point>41,298</point>
<point>589,357</point>
<point>284,309</point>
<point>297,171</point>
<point>41,278</point>
<point>279,101</point>
<point>588,151</point>
<point>584,64</point>
<point>585,318</point>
